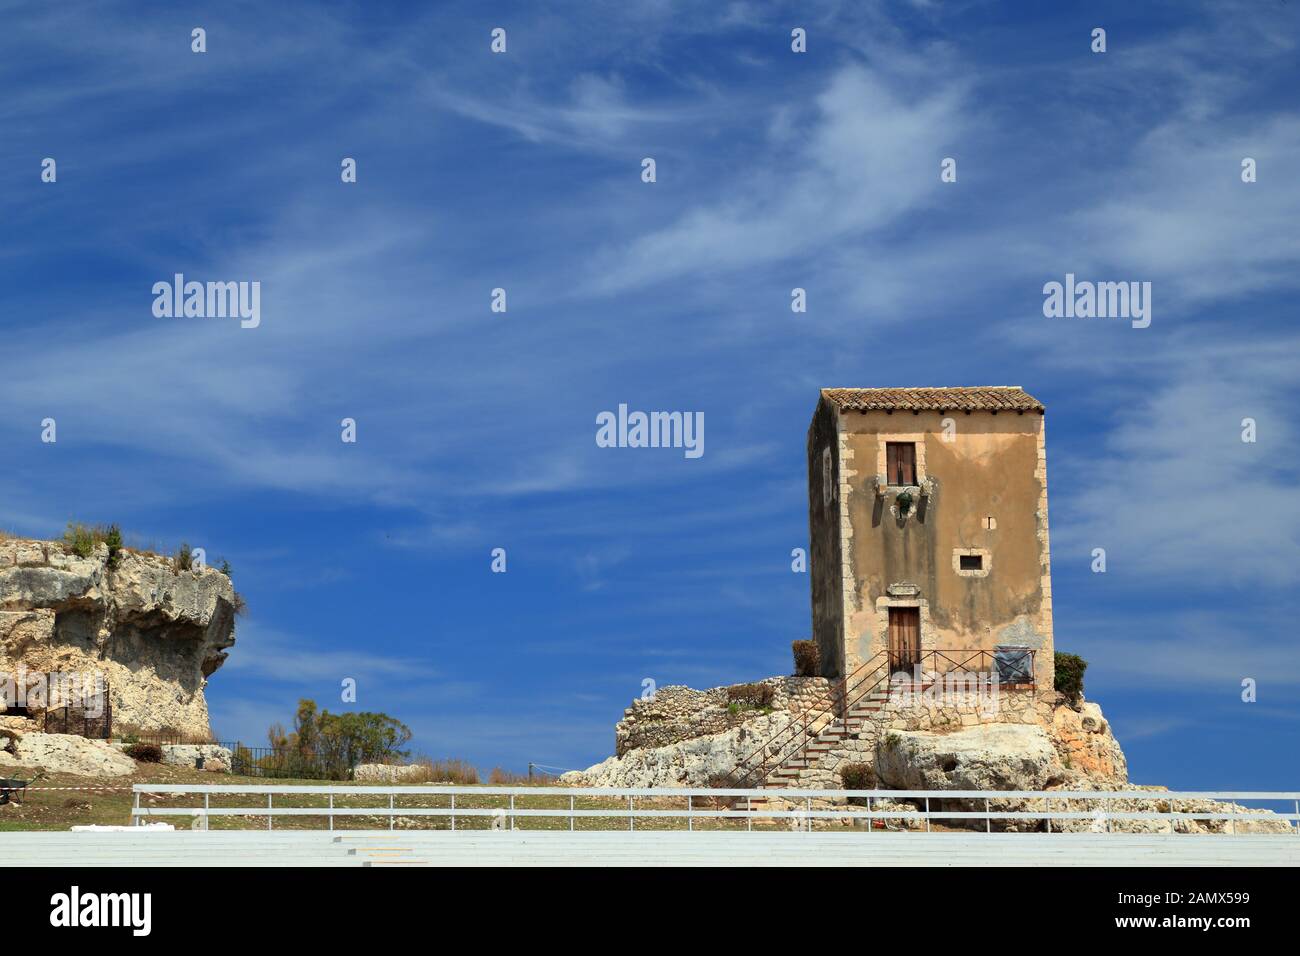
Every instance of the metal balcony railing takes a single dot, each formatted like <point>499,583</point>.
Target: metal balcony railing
<point>1006,668</point>
<point>617,807</point>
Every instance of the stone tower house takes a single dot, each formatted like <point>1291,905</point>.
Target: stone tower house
<point>928,517</point>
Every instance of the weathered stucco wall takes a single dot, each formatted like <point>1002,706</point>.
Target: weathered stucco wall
<point>994,466</point>
<point>825,568</point>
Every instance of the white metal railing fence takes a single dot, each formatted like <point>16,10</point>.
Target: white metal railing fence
<point>742,804</point>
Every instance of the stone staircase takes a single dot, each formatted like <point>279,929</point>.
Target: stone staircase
<point>829,738</point>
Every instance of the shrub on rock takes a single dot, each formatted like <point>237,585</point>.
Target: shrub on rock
<point>145,753</point>
<point>807,658</point>
<point>1069,676</point>
<point>858,776</point>
<point>751,696</point>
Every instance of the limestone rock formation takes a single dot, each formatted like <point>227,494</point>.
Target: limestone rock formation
<point>1040,744</point>
<point>676,713</point>
<point>66,753</point>
<point>1025,742</point>
<point>1250,820</point>
<point>156,634</point>
<point>991,757</point>
<point>216,759</point>
<point>390,773</point>
<point>1084,742</point>
<point>688,763</point>
<point>686,740</point>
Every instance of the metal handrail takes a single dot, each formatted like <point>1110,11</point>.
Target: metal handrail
<point>844,695</point>
<point>797,729</point>
<point>802,815</point>
<point>829,793</point>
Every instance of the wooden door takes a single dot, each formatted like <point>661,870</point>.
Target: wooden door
<point>904,637</point>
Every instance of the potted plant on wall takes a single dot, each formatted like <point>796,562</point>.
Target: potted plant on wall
<point>904,502</point>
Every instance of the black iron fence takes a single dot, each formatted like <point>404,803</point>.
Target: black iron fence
<point>271,762</point>
<point>275,762</point>
<point>96,724</point>
<point>248,761</point>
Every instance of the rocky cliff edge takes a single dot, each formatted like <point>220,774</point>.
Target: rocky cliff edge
<point>155,633</point>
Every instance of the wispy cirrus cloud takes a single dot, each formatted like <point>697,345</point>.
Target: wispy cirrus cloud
<point>271,654</point>
<point>869,154</point>
<point>476,428</point>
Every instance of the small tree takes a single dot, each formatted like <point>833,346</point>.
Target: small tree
<point>330,745</point>
<point>1069,676</point>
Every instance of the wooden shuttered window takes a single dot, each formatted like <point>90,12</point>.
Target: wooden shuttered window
<point>900,463</point>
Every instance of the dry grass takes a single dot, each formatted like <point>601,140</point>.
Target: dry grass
<point>48,809</point>
<point>449,770</point>
<point>97,534</point>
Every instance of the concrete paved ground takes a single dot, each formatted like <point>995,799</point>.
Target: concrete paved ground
<point>645,848</point>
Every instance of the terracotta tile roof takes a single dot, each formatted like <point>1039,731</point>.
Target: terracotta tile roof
<point>982,398</point>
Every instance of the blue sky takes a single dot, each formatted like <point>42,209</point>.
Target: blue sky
<point>476,430</point>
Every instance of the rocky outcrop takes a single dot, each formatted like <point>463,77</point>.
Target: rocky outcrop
<point>216,759</point>
<point>66,753</point>
<point>677,713</point>
<point>697,762</point>
<point>694,756</point>
<point>154,633</point>
<point>1012,740</point>
<point>1015,742</point>
<point>992,757</point>
<point>1085,744</point>
<point>1101,814</point>
<point>391,773</point>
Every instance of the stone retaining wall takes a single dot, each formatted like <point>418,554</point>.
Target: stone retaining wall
<point>678,713</point>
